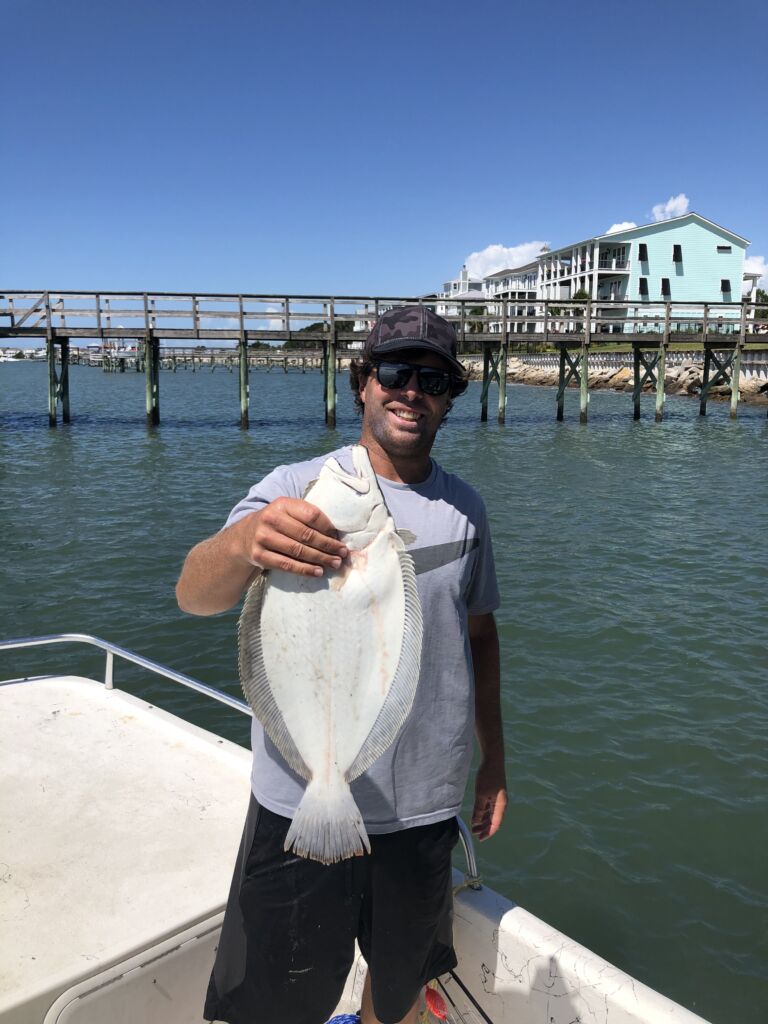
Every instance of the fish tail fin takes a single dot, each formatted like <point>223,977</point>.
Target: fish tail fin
<point>327,825</point>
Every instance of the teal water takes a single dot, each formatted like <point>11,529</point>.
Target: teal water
<point>632,563</point>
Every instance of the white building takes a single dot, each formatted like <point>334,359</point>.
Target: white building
<point>461,287</point>
<point>683,259</point>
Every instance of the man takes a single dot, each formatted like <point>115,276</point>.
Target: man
<point>288,937</point>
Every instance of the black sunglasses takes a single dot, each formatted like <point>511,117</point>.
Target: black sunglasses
<point>396,375</point>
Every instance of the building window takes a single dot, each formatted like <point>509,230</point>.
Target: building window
<point>644,287</point>
<point>725,285</point>
<point>643,254</point>
<point>677,254</point>
<point>724,248</point>
<point>665,289</point>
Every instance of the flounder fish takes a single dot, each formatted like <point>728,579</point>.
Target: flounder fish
<point>330,664</point>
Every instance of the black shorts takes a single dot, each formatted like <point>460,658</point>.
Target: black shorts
<point>287,942</point>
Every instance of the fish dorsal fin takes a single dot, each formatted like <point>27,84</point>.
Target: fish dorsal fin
<point>254,679</point>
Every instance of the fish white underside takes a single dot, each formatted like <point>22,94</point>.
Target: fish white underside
<point>330,664</point>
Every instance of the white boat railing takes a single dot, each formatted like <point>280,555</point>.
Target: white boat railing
<point>471,878</point>
<point>112,650</point>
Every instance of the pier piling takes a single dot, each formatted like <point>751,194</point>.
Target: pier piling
<point>152,378</point>
<point>584,377</point>
<point>705,382</point>
<point>661,371</point>
<point>502,364</point>
<point>64,380</point>
<point>486,385</point>
<point>245,391</point>
<point>329,348</point>
<point>735,374</point>
<point>50,352</point>
<point>736,365</point>
<point>645,368</point>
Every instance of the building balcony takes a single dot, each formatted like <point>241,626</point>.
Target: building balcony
<point>605,263</point>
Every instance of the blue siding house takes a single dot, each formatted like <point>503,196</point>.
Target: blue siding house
<point>685,259</point>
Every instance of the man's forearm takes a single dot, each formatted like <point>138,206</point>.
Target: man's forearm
<point>489,727</point>
<point>288,534</point>
<point>491,779</point>
<point>215,574</point>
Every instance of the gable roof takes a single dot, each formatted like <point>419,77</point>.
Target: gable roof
<point>512,270</point>
<point>619,235</point>
<point>673,220</point>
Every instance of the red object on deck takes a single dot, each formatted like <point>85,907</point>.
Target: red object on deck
<point>436,1004</point>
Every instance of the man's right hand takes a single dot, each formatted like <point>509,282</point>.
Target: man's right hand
<point>288,534</point>
<point>292,535</point>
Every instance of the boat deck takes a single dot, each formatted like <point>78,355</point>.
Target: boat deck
<point>95,873</point>
<point>119,826</point>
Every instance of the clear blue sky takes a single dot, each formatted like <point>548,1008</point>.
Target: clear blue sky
<point>355,148</point>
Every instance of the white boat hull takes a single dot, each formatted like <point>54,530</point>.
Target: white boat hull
<point>124,823</point>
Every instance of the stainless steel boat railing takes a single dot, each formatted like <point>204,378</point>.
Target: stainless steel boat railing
<point>471,877</point>
<point>112,650</point>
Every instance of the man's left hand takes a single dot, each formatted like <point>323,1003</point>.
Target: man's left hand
<point>490,800</point>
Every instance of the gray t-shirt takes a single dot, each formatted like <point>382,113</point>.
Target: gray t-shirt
<point>421,777</point>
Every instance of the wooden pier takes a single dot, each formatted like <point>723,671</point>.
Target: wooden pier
<point>150,331</point>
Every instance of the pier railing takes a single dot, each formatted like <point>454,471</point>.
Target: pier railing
<point>226,317</point>
<point>330,325</point>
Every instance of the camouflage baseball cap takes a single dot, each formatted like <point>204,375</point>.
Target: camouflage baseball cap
<point>414,327</point>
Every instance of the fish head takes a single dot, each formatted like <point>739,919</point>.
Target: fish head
<point>348,499</point>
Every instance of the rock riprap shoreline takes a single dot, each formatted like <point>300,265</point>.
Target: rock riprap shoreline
<point>683,379</point>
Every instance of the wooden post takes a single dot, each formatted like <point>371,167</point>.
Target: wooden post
<point>330,370</point>
<point>736,364</point>
<point>561,386</point>
<point>152,378</point>
<point>661,366</point>
<point>735,375</point>
<point>486,386</point>
<point>244,385</point>
<point>584,382</point>
<point>636,390</point>
<point>151,369</point>
<point>64,381</point>
<point>705,382</point>
<point>50,351</point>
<point>502,364</point>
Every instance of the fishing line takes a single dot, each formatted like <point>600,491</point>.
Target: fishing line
<point>469,996</point>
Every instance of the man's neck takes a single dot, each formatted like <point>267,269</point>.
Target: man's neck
<point>399,470</point>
